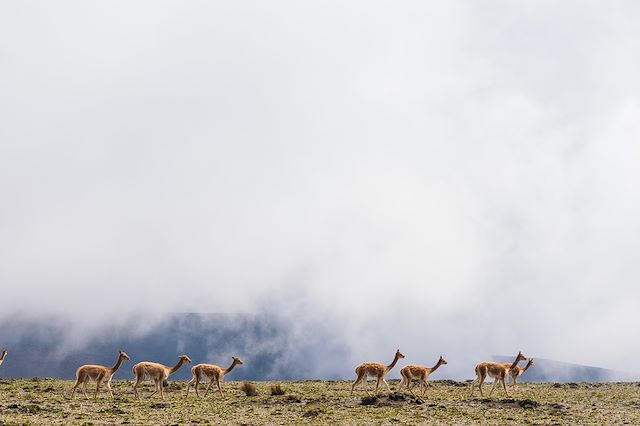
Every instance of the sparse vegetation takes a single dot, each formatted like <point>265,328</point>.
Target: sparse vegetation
<point>277,389</point>
<point>249,389</point>
<point>47,402</point>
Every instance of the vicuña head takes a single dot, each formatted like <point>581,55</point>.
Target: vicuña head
<point>520,357</point>
<point>399,354</point>
<point>237,360</point>
<point>124,355</point>
<point>442,360</point>
<point>185,358</point>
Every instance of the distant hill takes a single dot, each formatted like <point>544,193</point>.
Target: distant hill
<point>262,341</point>
<point>546,370</point>
<point>272,348</point>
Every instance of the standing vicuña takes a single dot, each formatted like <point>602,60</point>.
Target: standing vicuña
<point>376,370</point>
<point>4,355</point>
<point>212,373</point>
<point>518,371</point>
<point>97,373</point>
<point>420,373</point>
<point>157,372</point>
<point>495,370</point>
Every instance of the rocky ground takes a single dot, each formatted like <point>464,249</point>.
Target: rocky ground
<point>46,402</point>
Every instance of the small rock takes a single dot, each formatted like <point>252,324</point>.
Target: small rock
<point>159,405</point>
<point>311,413</point>
<point>528,403</point>
<point>369,400</point>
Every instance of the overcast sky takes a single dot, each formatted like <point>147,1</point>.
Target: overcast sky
<point>443,177</point>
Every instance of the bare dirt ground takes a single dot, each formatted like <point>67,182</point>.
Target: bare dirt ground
<point>46,402</point>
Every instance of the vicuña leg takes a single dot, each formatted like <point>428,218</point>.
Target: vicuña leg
<point>495,382</point>
<point>410,386</point>
<point>208,387</point>
<point>477,382</point>
<point>135,387</point>
<point>75,386</point>
<point>193,382</point>
<point>157,388</point>
<point>355,382</point>
<point>504,386</point>
<point>480,383</point>
<point>195,385</point>
<point>84,388</point>
<point>73,389</point>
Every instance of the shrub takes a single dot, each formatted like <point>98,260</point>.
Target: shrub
<point>249,389</point>
<point>276,389</point>
<point>293,398</point>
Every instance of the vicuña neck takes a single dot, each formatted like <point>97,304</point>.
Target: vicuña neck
<point>175,367</point>
<point>233,364</point>
<point>117,364</point>
<point>393,364</point>
<point>515,363</point>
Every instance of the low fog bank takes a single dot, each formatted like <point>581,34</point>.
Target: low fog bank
<point>547,370</point>
<point>272,346</point>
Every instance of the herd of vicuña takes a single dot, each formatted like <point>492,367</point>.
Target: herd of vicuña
<point>210,373</point>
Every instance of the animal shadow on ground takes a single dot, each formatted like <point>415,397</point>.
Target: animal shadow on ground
<point>392,399</point>
<point>519,403</point>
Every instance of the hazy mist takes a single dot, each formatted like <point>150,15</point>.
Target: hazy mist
<point>455,178</point>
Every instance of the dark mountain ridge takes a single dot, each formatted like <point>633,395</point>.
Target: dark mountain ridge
<point>272,348</point>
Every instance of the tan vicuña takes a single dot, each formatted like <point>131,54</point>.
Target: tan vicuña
<point>375,370</point>
<point>211,372</point>
<point>420,373</point>
<point>99,373</point>
<point>495,370</point>
<point>157,372</point>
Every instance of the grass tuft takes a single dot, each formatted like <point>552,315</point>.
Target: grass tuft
<point>277,389</point>
<point>249,389</point>
<point>313,402</point>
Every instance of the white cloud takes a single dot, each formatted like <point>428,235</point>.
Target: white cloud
<point>454,178</point>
